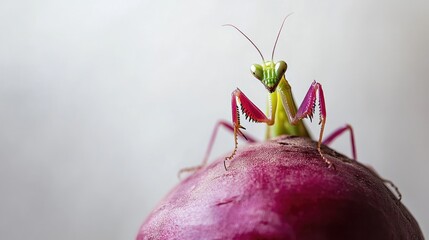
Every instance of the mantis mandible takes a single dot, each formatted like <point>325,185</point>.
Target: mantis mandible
<point>283,117</point>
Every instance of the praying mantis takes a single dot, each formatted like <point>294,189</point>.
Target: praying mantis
<point>283,117</point>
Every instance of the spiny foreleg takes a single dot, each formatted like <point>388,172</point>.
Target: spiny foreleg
<point>250,111</point>
<point>307,109</point>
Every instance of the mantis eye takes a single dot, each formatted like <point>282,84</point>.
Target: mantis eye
<point>256,70</point>
<point>280,68</point>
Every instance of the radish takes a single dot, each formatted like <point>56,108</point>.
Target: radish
<point>282,189</point>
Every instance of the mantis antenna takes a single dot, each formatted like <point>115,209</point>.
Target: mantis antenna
<point>278,35</point>
<point>230,25</point>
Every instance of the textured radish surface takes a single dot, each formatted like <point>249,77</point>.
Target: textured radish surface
<point>281,189</point>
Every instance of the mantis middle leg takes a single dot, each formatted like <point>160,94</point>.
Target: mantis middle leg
<point>221,123</point>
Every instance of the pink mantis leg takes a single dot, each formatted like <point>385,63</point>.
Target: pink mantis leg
<point>306,110</point>
<point>227,126</point>
<point>251,112</point>
<point>340,131</point>
<point>230,128</point>
<point>348,127</point>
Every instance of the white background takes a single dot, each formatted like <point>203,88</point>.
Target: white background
<point>103,101</point>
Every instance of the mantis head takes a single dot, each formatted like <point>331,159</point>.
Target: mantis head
<point>269,73</point>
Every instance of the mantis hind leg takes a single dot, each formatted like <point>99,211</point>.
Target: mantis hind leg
<point>219,124</point>
<point>334,135</point>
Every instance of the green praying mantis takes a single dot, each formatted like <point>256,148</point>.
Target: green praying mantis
<point>283,117</point>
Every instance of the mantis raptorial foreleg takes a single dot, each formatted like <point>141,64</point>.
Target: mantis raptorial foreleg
<point>307,109</point>
<point>250,111</point>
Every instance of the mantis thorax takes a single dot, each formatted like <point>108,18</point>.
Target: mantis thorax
<point>269,73</point>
